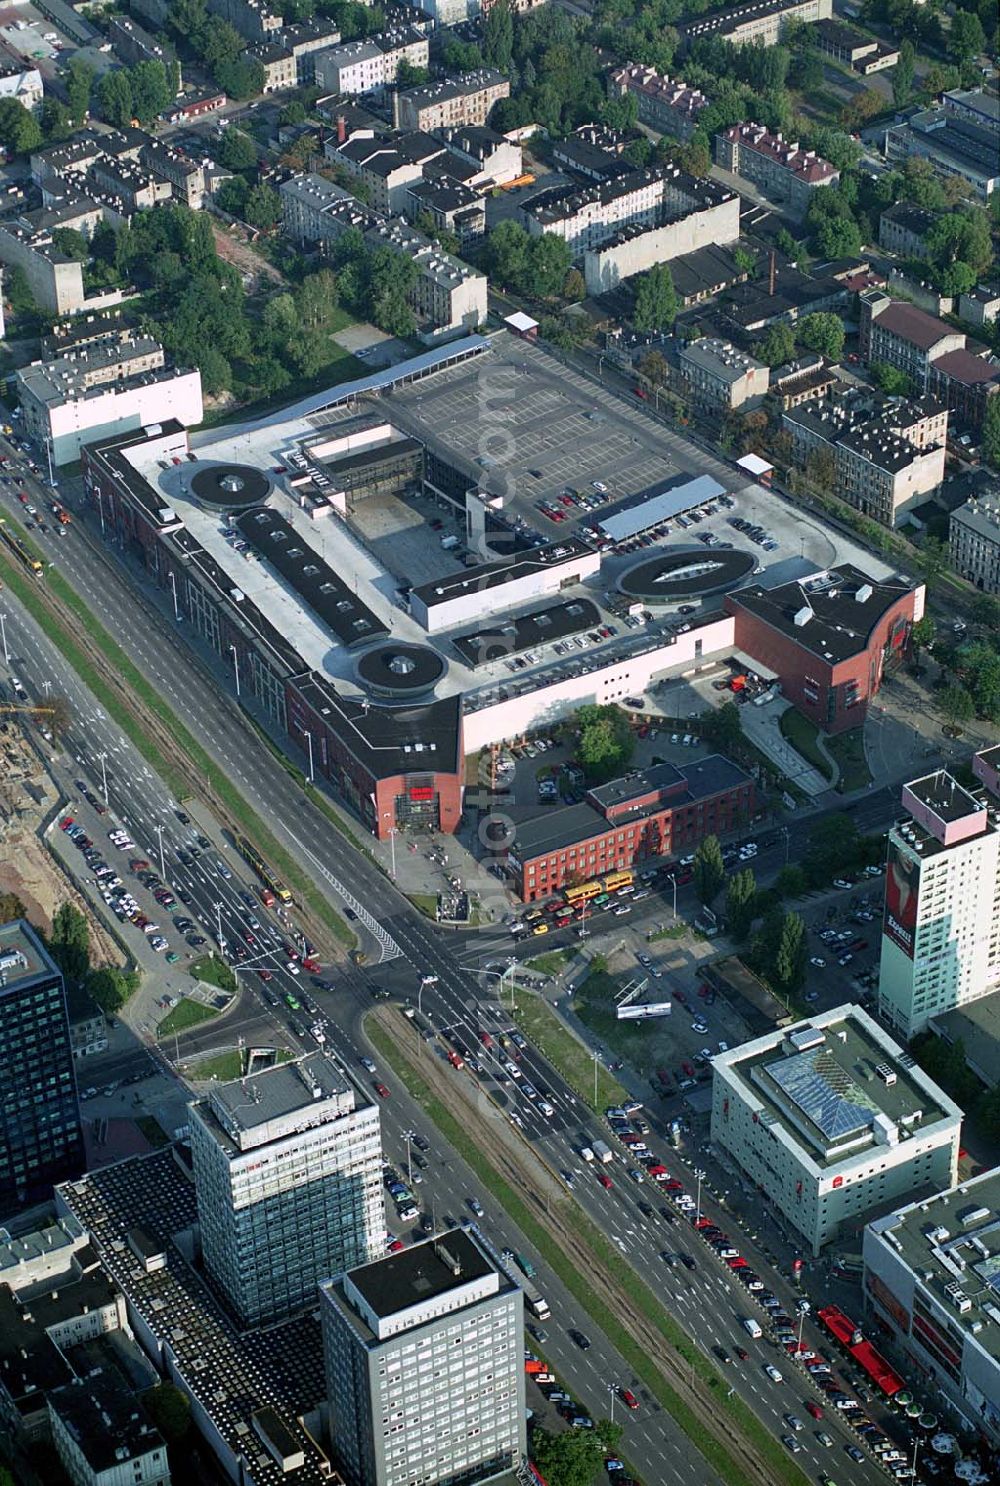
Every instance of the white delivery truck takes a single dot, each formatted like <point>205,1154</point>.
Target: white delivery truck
<point>602,1152</point>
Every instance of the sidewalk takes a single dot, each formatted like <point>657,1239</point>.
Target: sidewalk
<point>762,726</point>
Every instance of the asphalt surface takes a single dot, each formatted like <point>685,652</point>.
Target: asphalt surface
<point>709,1301</point>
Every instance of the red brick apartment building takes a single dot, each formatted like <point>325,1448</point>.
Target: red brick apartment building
<point>651,813</point>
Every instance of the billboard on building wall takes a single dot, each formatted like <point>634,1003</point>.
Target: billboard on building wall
<point>902,886</point>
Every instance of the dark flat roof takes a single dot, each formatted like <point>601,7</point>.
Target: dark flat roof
<point>682,573</point>
<point>313,580</point>
<point>417,1275</point>
<point>537,835</point>
<point>388,740</point>
<point>540,627</point>
<point>103,1416</point>
<point>503,570</point>
<point>944,795</point>
<point>845,606</point>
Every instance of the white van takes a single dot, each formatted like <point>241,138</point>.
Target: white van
<point>752,1327</point>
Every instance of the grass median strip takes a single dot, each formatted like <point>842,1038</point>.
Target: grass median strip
<point>566,1053</point>
<point>27,591</point>
<point>782,1471</point>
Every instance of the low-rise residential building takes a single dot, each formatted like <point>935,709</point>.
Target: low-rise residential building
<point>785,172</point>
<point>253,19</point>
<point>930,1282</point>
<point>981,306</point>
<point>889,454</point>
<point>370,65</point>
<point>55,279</point>
<point>492,158</point>
<point>693,214</point>
<point>452,205</point>
<point>903,229</point>
<point>897,333</point>
<point>133,44</point>
<point>653,813</point>
<point>115,385</point>
<point>605,224</point>
<point>719,375</point>
<point>387,167</point>
<point>982,109</point>
<point>449,296</point>
<point>829,638</point>
<point>761,21</point>
<point>103,1435</point>
<point>833,1121</point>
<point>467,98</point>
<point>23,84</point>
<point>806,379</point>
<point>853,48</point>
<point>974,542</point>
<point>592,153</point>
<point>965,381</point>
<point>665,104</point>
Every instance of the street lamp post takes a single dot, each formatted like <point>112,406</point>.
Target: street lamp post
<point>309,740</point>
<point>236,667</point>
<point>802,1322</point>
<point>613,1390</point>
<point>100,506</point>
<point>3,636</point>
<point>674,880</point>
<point>218,929</point>
<point>699,1176</point>
<point>159,837</point>
<point>173,589</point>
<point>425,980</point>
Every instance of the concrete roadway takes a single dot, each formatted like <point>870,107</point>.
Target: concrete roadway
<point>454,999</point>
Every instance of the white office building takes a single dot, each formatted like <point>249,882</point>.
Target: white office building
<point>931,1277</point>
<point>833,1121</point>
<point>424,1354</point>
<point>941,923</point>
<point>287,1169</point>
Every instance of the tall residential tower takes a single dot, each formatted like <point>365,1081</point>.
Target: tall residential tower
<point>941,924</point>
<point>424,1356</point>
<point>287,1169</point>
<point>41,1141</point>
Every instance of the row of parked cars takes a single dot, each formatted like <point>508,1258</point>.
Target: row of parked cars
<point>757,534</point>
<point>574,1413</point>
<point>110,885</point>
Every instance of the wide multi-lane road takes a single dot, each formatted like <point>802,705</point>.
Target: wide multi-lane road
<point>415,951</point>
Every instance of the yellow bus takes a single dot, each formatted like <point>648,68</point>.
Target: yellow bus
<point>582,892</point>
<point>250,854</point>
<point>616,880</point>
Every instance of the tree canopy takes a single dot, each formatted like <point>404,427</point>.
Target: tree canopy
<point>606,741</point>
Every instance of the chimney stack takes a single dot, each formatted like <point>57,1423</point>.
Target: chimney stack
<point>341,129</point>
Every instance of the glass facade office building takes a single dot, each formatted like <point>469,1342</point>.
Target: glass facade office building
<point>41,1139</point>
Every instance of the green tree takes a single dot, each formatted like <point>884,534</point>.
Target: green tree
<point>316,299</point>
<point>933,560</point>
<point>709,869</point>
<point>410,76</point>
<point>570,1458</point>
<point>745,260</point>
<point>606,741</point>
<point>724,727</point>
<point>498,36</point>
<point>241,79</point>
<point>507,254</point>
<point>956,705</point>
<point>991,432</point>
<point>823,333</point>
<point>17,291</point>
<point>72,243</point>
<point>151,90</point>
<point>978,665</point>
<point>903,74</point>
<point>55,120</point>
<point>741,897</point>
<point>293,113</point>
<point>11,908</point>
<point>549,261</point>
<point>985,610</point>
<point>20,132</point>
<point>833,847</point>
<point>232,195</point>
<point>263,208</point>
<point>78,81</point>
<point>111,987</point>
<point>170,1411</point>
<point>791,881</point>
<point>695,155</point>
<point>574,286</point>
<point>70,942</point>
<point>791,955</point>
<point>237,150</point>
<point>653,368</point>
<point>966,38</point>
<point>890,380</point>
<point>922,635</point>
<point>114,97</point>
<point>777,345</point>
<point>655,300</point>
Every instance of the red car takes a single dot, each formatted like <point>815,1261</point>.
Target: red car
<point>396,1246</point>
<point>628,1398</point>
<point>66,822</point>
<point>265,975</point>
<point>605,1181</point>
<point>688,1068</point>
<point>382,1091</point>
<point>814,1409</point>
<point>22,497</point>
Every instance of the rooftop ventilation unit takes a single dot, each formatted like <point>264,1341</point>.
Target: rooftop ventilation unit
<point>802,616</point>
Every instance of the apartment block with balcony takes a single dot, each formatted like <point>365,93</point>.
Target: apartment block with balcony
<point>467,98</point>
